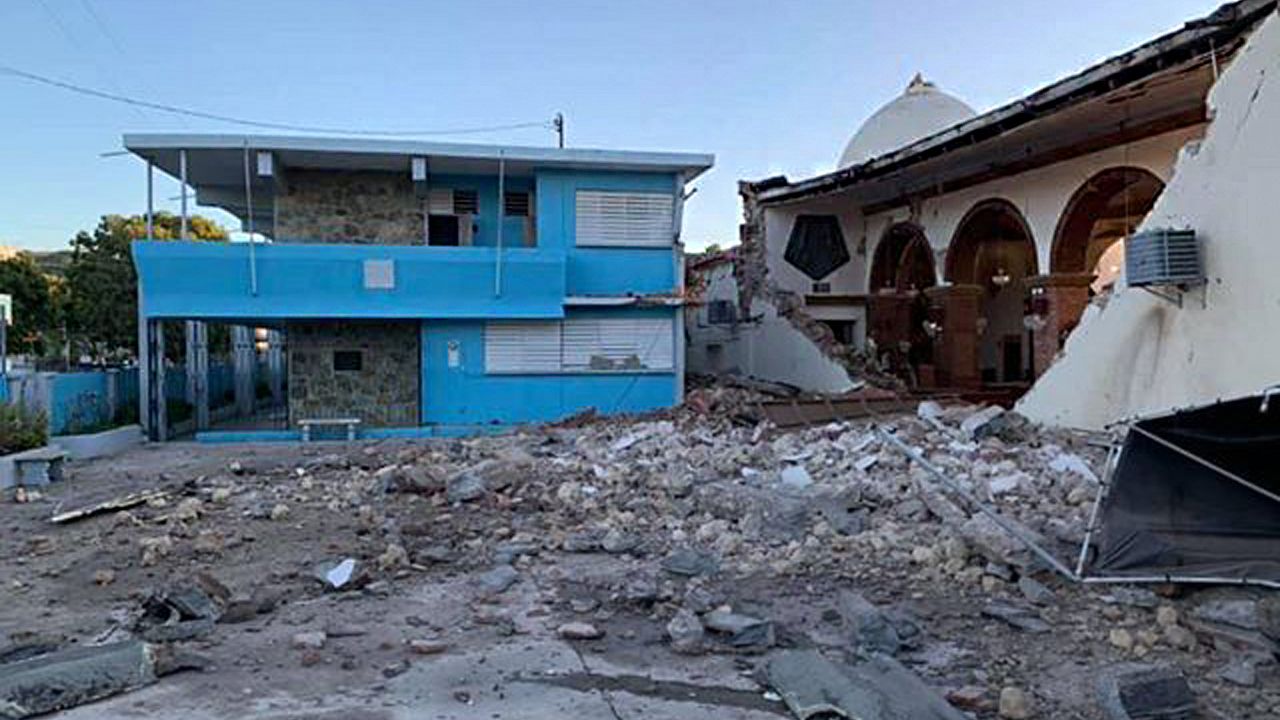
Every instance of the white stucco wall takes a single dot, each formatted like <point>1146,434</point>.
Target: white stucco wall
<point>1142,355</point>
<point>848,278</point>
<point>762,346</point>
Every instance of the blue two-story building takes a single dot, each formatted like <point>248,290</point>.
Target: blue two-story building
<point>431,288</point>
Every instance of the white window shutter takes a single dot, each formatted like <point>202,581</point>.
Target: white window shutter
<point>440,201</point>
<point>624,219</point>
<point>603,344</point>
<point>522,347</point>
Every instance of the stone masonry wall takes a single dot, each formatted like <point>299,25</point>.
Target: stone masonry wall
<point>384,393</point>
<point>348,207</point>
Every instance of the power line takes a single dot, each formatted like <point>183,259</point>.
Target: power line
<point>115,97</point>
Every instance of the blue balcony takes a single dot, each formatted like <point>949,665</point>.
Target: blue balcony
<point>214,281</point>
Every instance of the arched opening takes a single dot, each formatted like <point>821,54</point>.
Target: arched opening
<point>993,249</point>
<point>903,260</point>
<point>901,269</point>
<point>1102,212</point>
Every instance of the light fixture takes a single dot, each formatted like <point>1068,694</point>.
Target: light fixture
<point>1001,278</point>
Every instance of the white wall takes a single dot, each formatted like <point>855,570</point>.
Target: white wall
<point>848,278</point>
<point>763,346</point>
<point>1142,355</point>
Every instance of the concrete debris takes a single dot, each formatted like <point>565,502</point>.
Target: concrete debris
<point>1015,704</point>
<point>690,563</point>
<point>686,632</point>
<point>1236,613</point>
<point>75,676</point>
<point>879,688</point>
<point>339,575</point>
<point>1145,692</point>
<point>498,580</point>
<point>698,535</point>
<point>311,640</point>
<point>982,423</point>
<point>1022,618</point>
<point>182,611</point>
<point>579,631</point>
<point>740,631</point>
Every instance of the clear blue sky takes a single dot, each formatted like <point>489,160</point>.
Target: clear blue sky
<point>768,86</point>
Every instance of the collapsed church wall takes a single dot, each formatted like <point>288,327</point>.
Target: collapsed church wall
<point>784,343</point>
<point>1140,354</point>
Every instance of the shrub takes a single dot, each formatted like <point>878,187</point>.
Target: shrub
<point>21,429</point>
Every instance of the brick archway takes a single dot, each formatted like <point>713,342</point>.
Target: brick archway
<point>1105,209</point>
<point>993,252</point>
<point>903,260</point>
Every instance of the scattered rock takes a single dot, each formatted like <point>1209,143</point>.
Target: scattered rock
<point>106,576</point>
<point>1015,704</point>
<point>339,575</point>
<point>427,647</point>
<point>867,628</point>
<point>465,487</point>
<point>279,511</point>
<point>1120,638</point>
<point>498,580</point>
<point>310,640</point>
<point>579,631</point>
<point>691,563</point>
<point>742,631</point>
<point>1145,692</point>
<point>686,632</point>
<point>1236,613</point>
<point>1022,618</point>
<point>1034,590</point>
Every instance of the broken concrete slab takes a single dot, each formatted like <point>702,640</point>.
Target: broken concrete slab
<point>741,631</point>
<point>867,628</point>
<point>691,563</point>
<point>1022,618</point>
<point>1145,692</point>
<point>879,688</point>
<point>66,678</point>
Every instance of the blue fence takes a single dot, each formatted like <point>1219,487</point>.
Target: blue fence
<point>80,402</point>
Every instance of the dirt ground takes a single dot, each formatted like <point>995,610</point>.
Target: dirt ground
<point>462,592</point>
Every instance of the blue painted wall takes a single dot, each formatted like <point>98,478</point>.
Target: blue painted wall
<point>212,281</point>
<point>602,271</point>
<point>465,395</point>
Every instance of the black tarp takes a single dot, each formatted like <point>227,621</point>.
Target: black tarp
<point>1168,514</point>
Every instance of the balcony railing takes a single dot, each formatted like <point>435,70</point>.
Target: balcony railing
<point>206,280</point>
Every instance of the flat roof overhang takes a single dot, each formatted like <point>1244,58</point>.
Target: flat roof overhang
<point>1156,88</point>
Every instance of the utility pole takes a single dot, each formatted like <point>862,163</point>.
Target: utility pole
<point>558,125</point>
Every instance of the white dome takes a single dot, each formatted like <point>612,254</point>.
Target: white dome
<point>920,111</point>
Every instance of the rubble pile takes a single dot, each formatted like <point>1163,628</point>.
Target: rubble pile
<point>696,530</point>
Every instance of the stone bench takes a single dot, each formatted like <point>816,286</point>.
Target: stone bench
<point>38,467</point>
<point>308,423</point>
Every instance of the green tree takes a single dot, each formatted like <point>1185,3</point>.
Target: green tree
<point>102,283</point>
<point>35,312</point>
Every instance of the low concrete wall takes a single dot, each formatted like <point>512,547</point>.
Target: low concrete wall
<point>101,444</point>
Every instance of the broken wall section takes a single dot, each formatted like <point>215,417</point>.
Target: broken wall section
<point>1140,354</point>
<point>783,342</point>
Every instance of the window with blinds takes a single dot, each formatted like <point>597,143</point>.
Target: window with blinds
<point>581,345</point>
<point>624,219</point>
<point>522,347</point>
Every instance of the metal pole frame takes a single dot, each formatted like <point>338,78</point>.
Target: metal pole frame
<point>151,205</point>
<point>502,216</point>
<point>995,516</point>
<point>248,201</point>
<point>182,173</point>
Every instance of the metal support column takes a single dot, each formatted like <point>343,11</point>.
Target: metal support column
<point>243,359</point>
<point>275,366</point>
<point>151,375</point>
<point>151,202</point>
<point>182,173</point>
<point>198,371</point>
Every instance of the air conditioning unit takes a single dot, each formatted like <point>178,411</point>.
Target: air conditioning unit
<point>1163,256</point>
